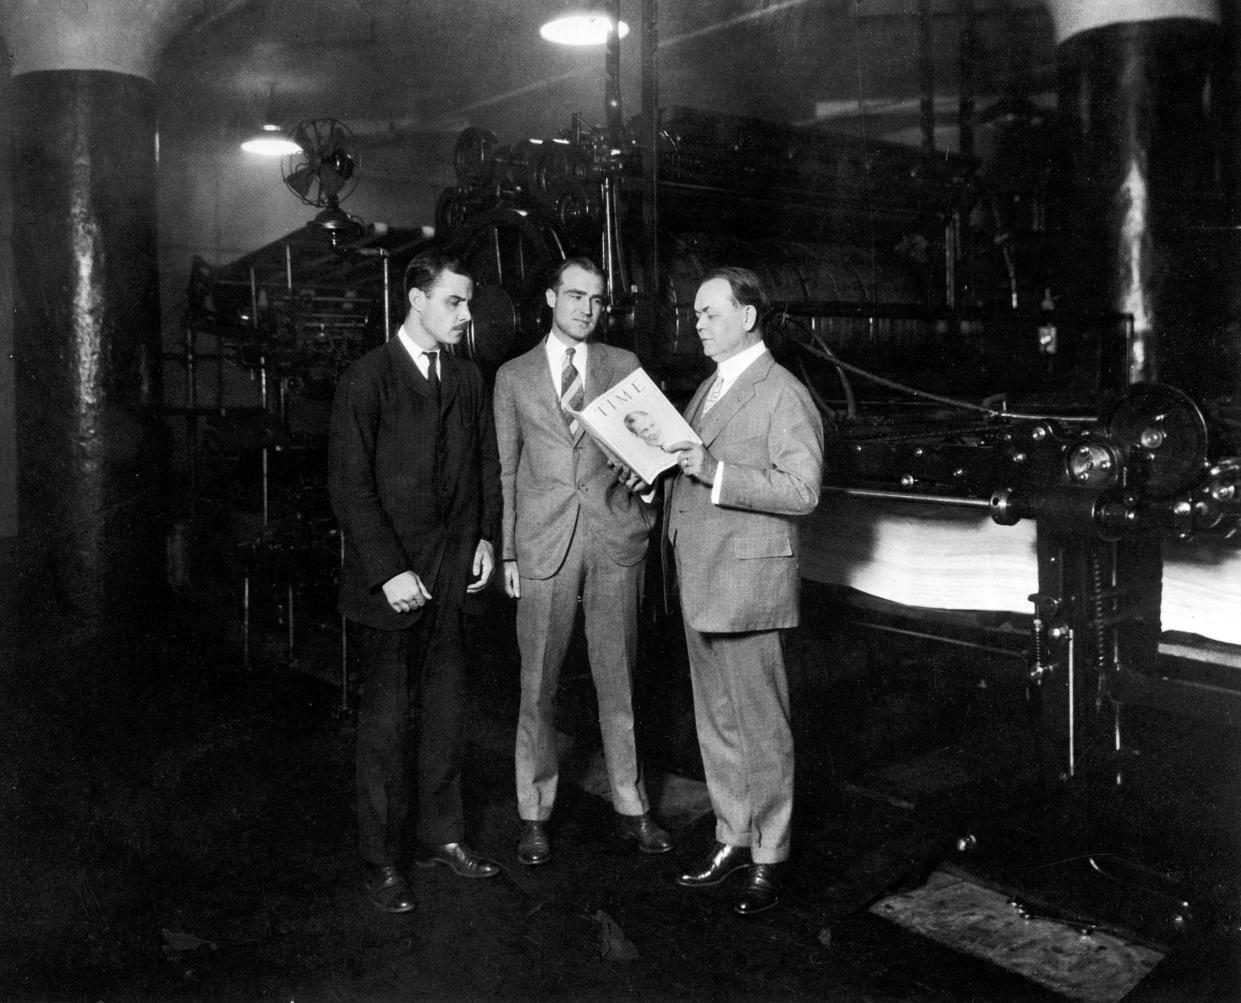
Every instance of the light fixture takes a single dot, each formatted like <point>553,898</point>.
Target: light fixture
<point>268,141</point>
<point>581,25</point>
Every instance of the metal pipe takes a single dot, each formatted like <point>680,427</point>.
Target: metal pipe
<point>1072,673</point>
<point>191,417</point>
<point>897,496</point>
<point>612,97</point>
<point>650,112</point>
<point>387,283</point>
<point>254,324</point>
<point>924,635</point>
<point>245,621</point>
<point>926,75</point>
<point>344,646</point>
<point>967,58</point>
<point>292,659</point>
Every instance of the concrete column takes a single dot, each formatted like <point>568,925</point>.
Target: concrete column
<point>90,453</point>
<point>1138,83</point>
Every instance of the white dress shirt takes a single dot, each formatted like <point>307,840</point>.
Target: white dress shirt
<point>419,354</point>
<point>555,359</point>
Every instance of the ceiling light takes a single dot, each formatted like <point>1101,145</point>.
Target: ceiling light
<point>267,142</point>
<point>581,26</point>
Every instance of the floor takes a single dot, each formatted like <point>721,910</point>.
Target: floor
<point>180,827</point>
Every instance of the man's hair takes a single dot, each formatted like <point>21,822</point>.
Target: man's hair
<point>631,418</point>
<point>747,289</point>
<point>554,279</point>
<point>427,266</point>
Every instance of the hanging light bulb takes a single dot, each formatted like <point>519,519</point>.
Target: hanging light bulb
<point>269,141</point>
<point>581,25</point>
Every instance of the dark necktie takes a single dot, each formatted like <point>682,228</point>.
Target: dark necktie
<point>571,392</point>
<point>433,376</point>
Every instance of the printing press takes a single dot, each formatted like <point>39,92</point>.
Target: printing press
<point>988,451</point>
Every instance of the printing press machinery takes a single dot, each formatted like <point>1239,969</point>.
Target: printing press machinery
<point>915,299</point>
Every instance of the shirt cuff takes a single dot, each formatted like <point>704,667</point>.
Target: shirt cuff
<point>719,480</point>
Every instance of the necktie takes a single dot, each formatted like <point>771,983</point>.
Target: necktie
<point>433,376</point>
<point>714,394</point>
<point>571,391</point>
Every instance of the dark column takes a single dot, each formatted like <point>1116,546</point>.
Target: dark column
<point>87,339</point>
<point>90,457</point>
<point>1136,94</point>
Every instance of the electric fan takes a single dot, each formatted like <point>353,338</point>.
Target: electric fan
<point>323,174</point>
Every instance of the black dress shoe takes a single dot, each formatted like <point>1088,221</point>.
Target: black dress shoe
<point>462,861</point>
<point>650,837</point>
<point>762,889</point>
<point>724,859</point>
<point>387,888</point>
<point>534,846</point>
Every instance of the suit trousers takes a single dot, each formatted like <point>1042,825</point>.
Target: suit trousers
<point>412,700</point>
<point>741,711</point>
<point>546,613</point>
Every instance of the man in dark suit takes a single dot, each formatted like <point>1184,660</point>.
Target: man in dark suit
<point>731,512</point>
<point>414,481</point>
<point>570,528</point>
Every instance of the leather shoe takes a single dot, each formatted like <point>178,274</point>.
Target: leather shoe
<point>387,888</point>
<point>762,889</point>
<point>534,846</point>
<point>650,837</point>
<point>462,861</point>
<point>723,861</point>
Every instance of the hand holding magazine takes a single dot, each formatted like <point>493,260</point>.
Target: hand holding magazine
<point>636,424</point>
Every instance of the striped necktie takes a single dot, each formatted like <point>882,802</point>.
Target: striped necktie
<point>713,395</point>
<point>571,391</point>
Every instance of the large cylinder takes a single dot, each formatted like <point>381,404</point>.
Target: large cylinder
<point>87,342</point>
<point>86,309</point>
<point>1136,81</point>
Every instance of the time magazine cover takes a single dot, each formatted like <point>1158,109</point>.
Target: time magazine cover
<point>636,424</point>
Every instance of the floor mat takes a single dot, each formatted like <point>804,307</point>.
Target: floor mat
<point>1097,967</point>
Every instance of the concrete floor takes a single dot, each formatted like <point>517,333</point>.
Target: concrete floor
<point>178,828</point>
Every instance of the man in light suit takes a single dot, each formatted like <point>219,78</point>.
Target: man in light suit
<point>414,481</point>
<point>570,528</point>
<point>731,519</point>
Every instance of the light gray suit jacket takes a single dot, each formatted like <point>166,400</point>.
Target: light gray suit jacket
<point>550,479</point>
<point>738,561</point>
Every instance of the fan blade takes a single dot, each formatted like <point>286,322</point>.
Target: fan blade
<point>330,181</point>
<point>307,140</point>
<point>302,179</point>
<point>337,139</point>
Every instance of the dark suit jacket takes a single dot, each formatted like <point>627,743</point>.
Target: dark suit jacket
<point>412,487</point>
<point>550,478</point>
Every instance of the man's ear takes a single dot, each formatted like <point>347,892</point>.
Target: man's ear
<point>751,316</point>
<point>417,299</point>
<point>551,298</point>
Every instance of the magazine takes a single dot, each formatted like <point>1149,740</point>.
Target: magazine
<point>635,423</point>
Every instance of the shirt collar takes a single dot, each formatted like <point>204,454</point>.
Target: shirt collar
<point>731,368</point>
<point>556,349</point>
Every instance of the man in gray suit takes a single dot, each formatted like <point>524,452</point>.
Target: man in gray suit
<point>569,528</point>
<point>731,518</point>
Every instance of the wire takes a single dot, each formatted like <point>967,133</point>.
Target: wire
<point>825,353</point>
